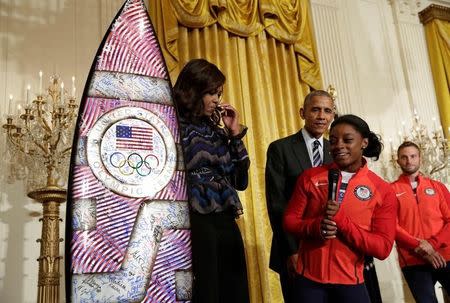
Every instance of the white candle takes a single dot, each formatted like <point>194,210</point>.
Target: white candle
<point>400,137</point>
<point>40,83</point>
<point>435,128</point>
<point>62,93</point>
<point>73,87</point>
<point>403,127</point>
<point>10,104</point>
<point>28,94</point>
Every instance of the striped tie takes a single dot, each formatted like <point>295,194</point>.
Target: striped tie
<point>317,161</point>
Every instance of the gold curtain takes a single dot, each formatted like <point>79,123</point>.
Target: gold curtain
<point>436,20</point>
<point>266,50</point>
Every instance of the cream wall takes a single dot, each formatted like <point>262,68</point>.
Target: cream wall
<point>55,36</point>
<point>373,51</point>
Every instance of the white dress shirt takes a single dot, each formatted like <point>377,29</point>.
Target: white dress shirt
<point>309,140</point>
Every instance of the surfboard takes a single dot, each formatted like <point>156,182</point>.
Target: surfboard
<point>127,231</point>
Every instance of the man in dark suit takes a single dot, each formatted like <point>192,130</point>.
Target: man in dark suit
<point>287,158</point>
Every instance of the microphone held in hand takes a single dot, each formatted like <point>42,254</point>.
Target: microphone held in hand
<point>333,178</point>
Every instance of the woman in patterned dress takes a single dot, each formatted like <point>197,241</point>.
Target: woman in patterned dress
<point>217,165</point>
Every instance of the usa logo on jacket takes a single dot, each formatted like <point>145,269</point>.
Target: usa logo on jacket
<point>363,192</point>
<point>430,191</point>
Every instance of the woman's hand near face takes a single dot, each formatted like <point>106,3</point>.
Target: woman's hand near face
<point>230,119</point>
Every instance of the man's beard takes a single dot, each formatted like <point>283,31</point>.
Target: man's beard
<point>410,170</point>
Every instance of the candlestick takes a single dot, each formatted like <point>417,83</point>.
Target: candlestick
<point>10,104</point>
<point>28,94</point>
<point>435,128</point>
<point>62,93</point>
<point>40,83</point>
<point>73,87</point>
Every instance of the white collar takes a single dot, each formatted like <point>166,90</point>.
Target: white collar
<point>309,139</point>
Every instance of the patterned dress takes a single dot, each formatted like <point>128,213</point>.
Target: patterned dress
<point>216,166</point>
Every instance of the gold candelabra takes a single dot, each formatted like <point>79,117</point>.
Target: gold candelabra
<point>332,91</point>
<point>434,149</point>
<point>39,141</point>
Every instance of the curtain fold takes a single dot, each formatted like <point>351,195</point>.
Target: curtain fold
<point>264,82</point>
<point>287,21</point>
<point>437,34</point>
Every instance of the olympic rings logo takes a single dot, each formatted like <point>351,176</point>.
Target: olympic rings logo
<point>134,163</point>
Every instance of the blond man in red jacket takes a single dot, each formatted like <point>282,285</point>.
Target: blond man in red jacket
<point>423,231</point>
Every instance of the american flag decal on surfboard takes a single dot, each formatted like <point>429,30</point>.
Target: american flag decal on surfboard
<point>128,237</point>
<point>131,137</point>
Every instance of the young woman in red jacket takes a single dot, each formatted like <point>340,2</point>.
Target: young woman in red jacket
<point>336,234</point>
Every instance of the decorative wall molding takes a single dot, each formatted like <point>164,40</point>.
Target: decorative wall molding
<point>434,11</point>
<point>335,53</point>
<point>414,56</point>
<point>329,3</point>
<point>405,10</point>
<point>417,69</point>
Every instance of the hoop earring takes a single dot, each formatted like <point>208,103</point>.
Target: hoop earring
<point>216,116</point>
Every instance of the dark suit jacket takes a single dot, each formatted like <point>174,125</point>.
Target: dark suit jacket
<point>287,158</point>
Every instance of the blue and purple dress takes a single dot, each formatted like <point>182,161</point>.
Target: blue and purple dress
<point>216,166</point>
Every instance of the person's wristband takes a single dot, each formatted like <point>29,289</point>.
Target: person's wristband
<point>242,132</point>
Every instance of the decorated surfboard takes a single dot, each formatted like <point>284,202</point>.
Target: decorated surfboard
<point>128,237</point>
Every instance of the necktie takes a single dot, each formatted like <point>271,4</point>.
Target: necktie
<point>316,154</point>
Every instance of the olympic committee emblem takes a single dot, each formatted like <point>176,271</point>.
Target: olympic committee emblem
<point>430,191</point>
<point>132,152</point>
<point>363,192</point>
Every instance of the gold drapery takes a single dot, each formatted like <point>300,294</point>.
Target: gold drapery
<point>266,50</point>
<point>436,20</point>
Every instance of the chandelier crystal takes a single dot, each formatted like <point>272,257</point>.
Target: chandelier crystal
<point>39,137</point>
<point>434,149</point>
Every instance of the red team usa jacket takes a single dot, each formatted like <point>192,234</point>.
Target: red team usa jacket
<point>366,223</point>
<point>425,215</point>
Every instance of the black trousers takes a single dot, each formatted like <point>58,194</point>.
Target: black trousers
<point>287,285</point>
<point>308,291</point>
<point>218,259</point>
<point>422,278</point>
<point>371,280</point>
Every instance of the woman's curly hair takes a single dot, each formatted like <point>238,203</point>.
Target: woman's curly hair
<point>197,78</point>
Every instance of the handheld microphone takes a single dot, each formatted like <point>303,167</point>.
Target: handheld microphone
<point>333,178</point>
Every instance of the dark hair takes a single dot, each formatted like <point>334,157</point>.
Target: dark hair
<point>375,146</point>
<point>197,78</point>
<point>316,93</point>
<point>407,144</point>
